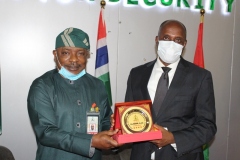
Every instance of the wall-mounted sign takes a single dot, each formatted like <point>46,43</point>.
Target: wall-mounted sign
<point>208,5</point>
<point>198,4</point>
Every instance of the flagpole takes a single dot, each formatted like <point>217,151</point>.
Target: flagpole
<point>102,61</point>
<point>199,60</point>
<point>102,3</point>
<point>202,12</point>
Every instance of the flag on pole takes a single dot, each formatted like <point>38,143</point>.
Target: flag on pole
<point>198,58</point>
<point>101,66</point>
<point>206,151</point>
<point>199,61</point>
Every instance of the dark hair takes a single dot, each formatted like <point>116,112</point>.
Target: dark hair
<point>172,20</point>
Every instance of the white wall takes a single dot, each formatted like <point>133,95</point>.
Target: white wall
<point>28,29</point>
<point>234,131</point>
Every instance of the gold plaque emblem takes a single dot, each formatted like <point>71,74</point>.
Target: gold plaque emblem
<point>135,120</point>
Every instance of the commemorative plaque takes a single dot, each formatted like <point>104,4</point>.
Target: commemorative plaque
<point>134,121</point>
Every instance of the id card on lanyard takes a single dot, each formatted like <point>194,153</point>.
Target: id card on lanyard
<point>93,117</point>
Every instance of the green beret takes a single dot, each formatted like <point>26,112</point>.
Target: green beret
<point>73,37</point>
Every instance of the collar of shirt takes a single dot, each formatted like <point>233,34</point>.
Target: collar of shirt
<point>156,74</point>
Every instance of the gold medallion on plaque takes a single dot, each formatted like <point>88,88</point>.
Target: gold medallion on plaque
<point>136,119</point>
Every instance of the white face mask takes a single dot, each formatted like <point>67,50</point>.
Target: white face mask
<point>169,51</point>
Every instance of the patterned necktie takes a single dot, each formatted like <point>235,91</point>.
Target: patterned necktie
<point>161,90</point>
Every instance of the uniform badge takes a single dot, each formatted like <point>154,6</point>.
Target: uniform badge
<point>93,119</point>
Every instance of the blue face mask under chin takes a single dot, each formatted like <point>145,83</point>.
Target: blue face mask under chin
<point>65,73</point>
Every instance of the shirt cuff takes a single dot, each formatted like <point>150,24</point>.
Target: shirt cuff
<point>91,150</point>
<point>174,145</point>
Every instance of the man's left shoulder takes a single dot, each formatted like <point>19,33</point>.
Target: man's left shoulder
<point>193,67</point>
<point>93,79</point>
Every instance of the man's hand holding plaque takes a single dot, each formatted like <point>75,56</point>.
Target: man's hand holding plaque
<point>167,137</point>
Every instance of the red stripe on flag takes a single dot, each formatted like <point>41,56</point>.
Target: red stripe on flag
<point>101,26</point>
<point>198,58</point>
<point>199,61</point>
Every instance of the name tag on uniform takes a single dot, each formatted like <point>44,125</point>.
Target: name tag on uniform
<point>92,122</point>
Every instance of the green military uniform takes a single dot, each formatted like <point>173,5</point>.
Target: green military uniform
<point>57,109</point>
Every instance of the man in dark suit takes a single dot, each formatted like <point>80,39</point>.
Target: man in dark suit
<point>186,116</point>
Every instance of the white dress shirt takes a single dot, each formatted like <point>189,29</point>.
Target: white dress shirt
<point>156,74</point>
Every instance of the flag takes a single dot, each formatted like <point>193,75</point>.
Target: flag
<point>206,151</point>
<point>199,61</point>
<point>101,65</point>
<point>198,58</point>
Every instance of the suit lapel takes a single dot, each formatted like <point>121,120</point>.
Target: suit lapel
<point>178,80</point>
<point>144,80</point>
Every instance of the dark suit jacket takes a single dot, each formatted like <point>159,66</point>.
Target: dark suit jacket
<point>188,111</point>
